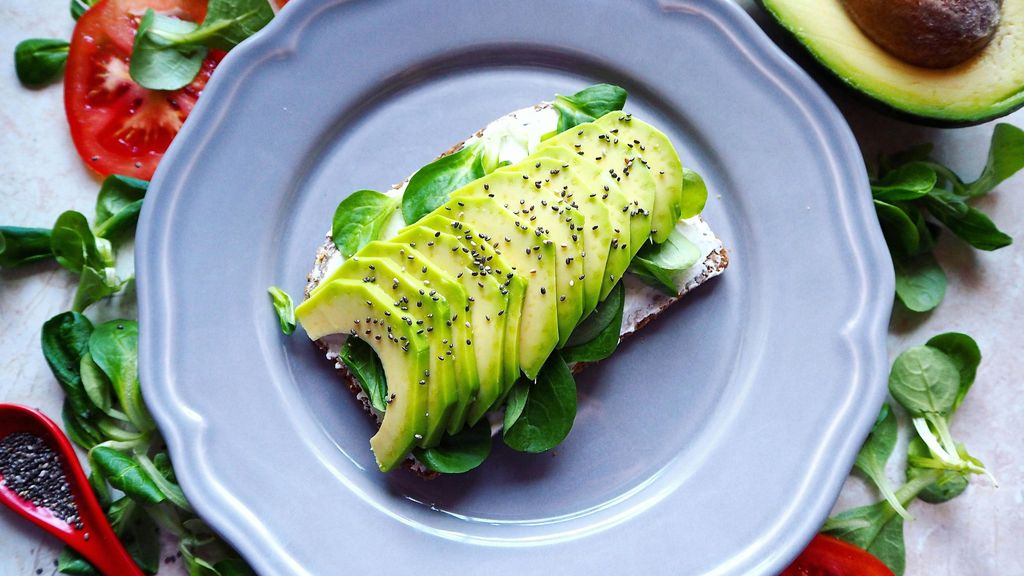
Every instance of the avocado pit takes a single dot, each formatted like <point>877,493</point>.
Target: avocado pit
<point>928,33</point>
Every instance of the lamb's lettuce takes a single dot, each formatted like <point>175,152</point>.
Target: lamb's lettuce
<point>360,218</point>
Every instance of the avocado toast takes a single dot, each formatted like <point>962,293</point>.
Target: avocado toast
<point>572,221</point>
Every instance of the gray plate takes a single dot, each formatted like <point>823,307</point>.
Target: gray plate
<point>713,443</point>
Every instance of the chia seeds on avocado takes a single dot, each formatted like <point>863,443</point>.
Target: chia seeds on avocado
<point>34,472</point>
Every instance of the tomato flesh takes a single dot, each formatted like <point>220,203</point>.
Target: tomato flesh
<point>119,127</point>
<point>828,556</point>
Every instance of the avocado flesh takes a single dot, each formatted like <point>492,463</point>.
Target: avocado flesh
<point>553,226</point>
<point>412,262</point>
<point>432,317</point>
<point>989,85</point>
<point>562,187</point>
<point>513,284</point>
<point>532,259</point>
<point>605,189</point>
<point>487,313</point>
<point>655,150</point>
<point>343,307</point>
<point>592,142</point>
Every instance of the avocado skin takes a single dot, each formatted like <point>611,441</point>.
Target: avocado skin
<point>810,61</point>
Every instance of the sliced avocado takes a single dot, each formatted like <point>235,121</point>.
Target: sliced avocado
<point>592,142</point>
<point>556,226</point>
<point>988,85</point>
<point>364,311</point>
<point>655,150</point>
<point>486,314</point>
<point>562,187</point>
<point>430,316</point>
<point>535,261</point>
<point>440,284</point>
<point>605,189</point>
<point>511,284</point>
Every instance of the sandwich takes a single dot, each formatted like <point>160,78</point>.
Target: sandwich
<point>458,304</point>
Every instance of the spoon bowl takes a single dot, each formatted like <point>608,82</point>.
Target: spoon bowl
<point>95,539</point>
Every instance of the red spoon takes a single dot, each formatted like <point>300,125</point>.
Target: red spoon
<point>95,540</point>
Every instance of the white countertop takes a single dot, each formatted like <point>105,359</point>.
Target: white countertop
<point>976,534</point>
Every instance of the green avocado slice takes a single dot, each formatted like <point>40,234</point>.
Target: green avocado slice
<point>440,284</point>
<point>562,187</point>
<point>430,316</point>
<point>529,257</point>
<point>511,284</point>
<point>604,189</point>
<point>364,311</point>
<point>592,142</point>
<point>555,226</point>
<point>655,150</point>
<point>487,314</point>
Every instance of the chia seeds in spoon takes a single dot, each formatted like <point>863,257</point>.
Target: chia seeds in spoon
<point>34,472</point>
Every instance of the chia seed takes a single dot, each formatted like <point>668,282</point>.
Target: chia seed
<point>33,471</point>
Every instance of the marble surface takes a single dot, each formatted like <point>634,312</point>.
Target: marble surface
<point>976,534</point>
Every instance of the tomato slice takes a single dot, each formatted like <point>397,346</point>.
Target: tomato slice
<point>828,556</point>
<point>118,126</point>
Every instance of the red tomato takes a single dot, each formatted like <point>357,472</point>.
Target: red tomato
<point>118,126</point>
<point>828,556</point>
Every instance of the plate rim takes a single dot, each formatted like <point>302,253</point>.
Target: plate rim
<point>866,337</point>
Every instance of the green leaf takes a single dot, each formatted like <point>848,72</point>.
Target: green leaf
<point>80,430</point>
<point>969,224</point>
<point>19,246</point>
<point>950,485</point>
<point>597,336</point>
<point>901,233</point>
<point>459,453</point>
<point>97,385</point>
<point>284,308</point>
<point>1005,158</point>
<point>95,285</point>
<point>875,453</point>
<point>515,403</point>
<point>158,61</point>
<point>229,22</point>
<point>658,264</point>
<point>924,381</point>
<point>114,348</point>
<point>162,461</point>
<point>65,339</point>
<point>920,282</point>
<point>125,474</point>
<point>70,562</point>
<point>907,182</point>
<point>118,205</point>
<point>363,363</point>
<point>74,244</point>
<point>40,60</point>
<point>963,351</point>
<point>431,185</point>
<point>549,412</point>
<point>588,104</point>
<point>141,538</point>
<point>695,194</point>
<point>233,567</point>
<point>360,218</point>
<point>169,489</point>
<point>79,7</point>
<point>889,547</point>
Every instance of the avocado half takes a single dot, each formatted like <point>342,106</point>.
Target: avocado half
<point>987,86</point>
